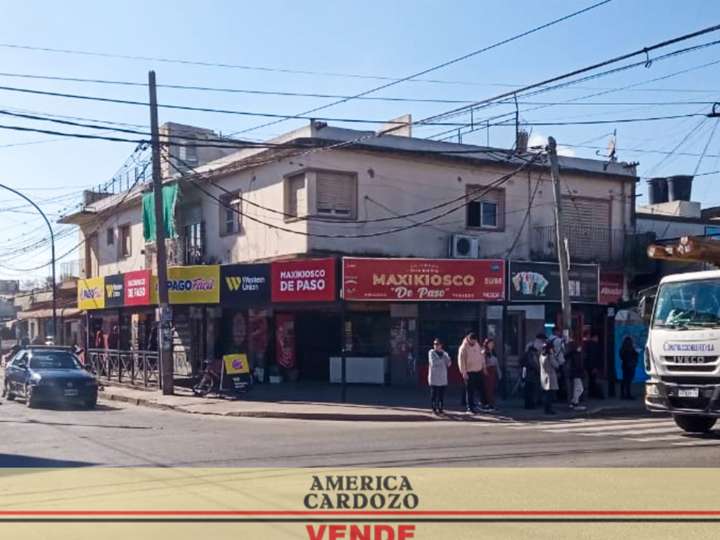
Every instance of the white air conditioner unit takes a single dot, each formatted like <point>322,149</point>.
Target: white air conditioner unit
<point>464,247</point>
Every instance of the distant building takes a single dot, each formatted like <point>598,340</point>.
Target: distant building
<point>9,286</point>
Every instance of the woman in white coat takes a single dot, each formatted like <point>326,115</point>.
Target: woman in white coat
<point>548,376</point>
<point>438,364</point>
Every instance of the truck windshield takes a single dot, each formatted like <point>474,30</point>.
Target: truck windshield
<point>688,304</point>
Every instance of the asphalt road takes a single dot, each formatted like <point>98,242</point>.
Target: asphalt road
<point>127,435</point>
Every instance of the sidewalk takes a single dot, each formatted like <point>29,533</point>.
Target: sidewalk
<point>305,401</point>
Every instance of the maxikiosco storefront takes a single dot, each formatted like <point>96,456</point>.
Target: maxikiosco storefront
<point>399,305</point>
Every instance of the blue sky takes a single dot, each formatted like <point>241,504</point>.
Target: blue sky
<point>385,38</point>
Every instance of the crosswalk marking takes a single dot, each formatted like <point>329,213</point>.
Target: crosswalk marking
<point>660,429</point>
<point>610,427</point>
<point>699,442</point>
<point>666,429</point>
<point>659,439</point>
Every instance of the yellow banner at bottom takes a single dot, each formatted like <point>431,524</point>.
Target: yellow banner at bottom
<point>358,504</point>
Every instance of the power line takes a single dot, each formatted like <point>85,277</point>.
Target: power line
<point>439,66</point>
<point>85,236</point>
<point>480,125</point>
<point>486,102</point>
<point>644,51</point>
<point>599,122</point>
<point>207,109</point>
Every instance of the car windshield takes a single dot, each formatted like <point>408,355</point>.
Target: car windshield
<point>53,360</point>
<point>688,304</point>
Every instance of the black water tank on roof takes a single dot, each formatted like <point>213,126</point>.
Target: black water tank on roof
<point>679,187</point>
<point>658,190</point>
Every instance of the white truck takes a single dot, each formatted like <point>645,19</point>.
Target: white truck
<point>682,355</point>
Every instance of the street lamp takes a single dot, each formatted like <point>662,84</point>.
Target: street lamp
<point>52,251</point>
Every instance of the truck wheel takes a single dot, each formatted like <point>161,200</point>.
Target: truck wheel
<point>694,424</point>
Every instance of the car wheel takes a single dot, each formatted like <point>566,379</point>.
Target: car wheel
<point>7,393</point>
<point>30,401</point>
<point>694,424</point>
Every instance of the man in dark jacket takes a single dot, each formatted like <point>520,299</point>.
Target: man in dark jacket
<point>593,365</point>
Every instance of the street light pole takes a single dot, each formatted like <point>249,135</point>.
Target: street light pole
<point>52,255</point>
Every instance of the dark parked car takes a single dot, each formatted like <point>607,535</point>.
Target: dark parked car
<point>48,373</point>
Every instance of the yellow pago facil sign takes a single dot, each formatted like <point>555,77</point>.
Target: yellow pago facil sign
<point>191,285</point>
<point>91,293</point>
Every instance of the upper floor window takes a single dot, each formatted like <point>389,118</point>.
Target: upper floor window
<point>110,236</point>
<point>194,243</point>
<point>486,209</point>
<point>295,195</point>
<point>187,152</point>
<point>125,246</point>
<point>336,194</point>
<point>230,213</point>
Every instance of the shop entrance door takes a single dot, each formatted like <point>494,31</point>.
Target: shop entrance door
<point>318,336</point>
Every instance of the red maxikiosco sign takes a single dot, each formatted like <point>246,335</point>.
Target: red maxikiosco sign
<point>303,280</point>
<point>414,280</point>
<point>136,288</point>
<point>611,288</point>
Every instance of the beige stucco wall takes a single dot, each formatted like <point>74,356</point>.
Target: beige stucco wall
<point>401,184</point>
<point>108,260</point>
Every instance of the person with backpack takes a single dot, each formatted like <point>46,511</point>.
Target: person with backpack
<point>438,364</point>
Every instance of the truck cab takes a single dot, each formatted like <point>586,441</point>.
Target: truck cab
<point>682,355</point>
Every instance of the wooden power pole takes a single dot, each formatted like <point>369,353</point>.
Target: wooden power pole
<point>560,240</point>
<point>164,313</point>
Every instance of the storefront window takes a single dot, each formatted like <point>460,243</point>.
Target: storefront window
<point>370,334</point>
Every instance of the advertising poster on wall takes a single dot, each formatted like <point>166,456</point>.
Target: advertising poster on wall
<point>540,282</point>
<point>285,340</point>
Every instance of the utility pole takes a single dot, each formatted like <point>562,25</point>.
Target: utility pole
<point>560,240</point>
<point>164,313</point>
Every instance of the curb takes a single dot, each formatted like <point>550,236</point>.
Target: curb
<point>365,417</point>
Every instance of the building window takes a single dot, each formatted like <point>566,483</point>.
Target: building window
<point>486,208</point>
<point>230,213</point>
<point>194,236</point>
<point>336,194</point>
<point>110,235</point>
<point>295,195</point>
<point>125,246</point>
<point>187,152</point>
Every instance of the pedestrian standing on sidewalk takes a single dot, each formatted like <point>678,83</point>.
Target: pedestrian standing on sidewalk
<point>593,365</point>
<point>471,363</point>
<point>530,374</point>
<point>574,363</point>
<point>492,374</point>
<point>548,376</point>
<point>558,342</point>
<point>629,359</point>
<point>438,364</point>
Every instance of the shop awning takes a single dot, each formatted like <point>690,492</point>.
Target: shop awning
<point>46,313</point>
